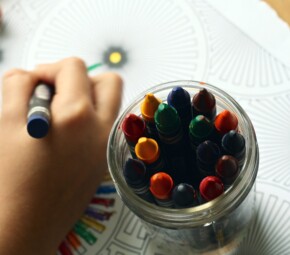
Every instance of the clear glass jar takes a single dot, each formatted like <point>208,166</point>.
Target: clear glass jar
<point>215,227</point>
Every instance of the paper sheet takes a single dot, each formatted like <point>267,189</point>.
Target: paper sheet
<point>169,40</point>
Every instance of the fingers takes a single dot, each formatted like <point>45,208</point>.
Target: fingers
<point>108,94</point>
<point>69,77</point>
<point>17,88</point>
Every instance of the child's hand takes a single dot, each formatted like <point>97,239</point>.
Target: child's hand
<point>45,184</point>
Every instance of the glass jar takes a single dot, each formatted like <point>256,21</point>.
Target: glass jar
<point>215,227</point>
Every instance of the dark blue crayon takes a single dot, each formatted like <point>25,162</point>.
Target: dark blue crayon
<point>106,189</point>
<point>207,154</point>
<point>179,98</point>
<point>233,143</point>
<point>184,196</point>
<point>172,140</point>
<point>38,117</point>
<point>137,179</point>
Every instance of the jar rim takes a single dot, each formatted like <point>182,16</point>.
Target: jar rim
<point>204,213</point>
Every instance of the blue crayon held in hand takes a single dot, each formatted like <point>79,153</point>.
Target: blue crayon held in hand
<point>172,141</point>
<point>184,196</point>
<point>135,175</point>
<point>38,117</point>
<point>233,143</point>
<point>179,98</point>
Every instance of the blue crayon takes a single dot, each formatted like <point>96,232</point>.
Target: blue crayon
<point>106,189</point>
<point>184,196</point>
<point>179,98</point>
<point>233,143</point>
<point>172,140</point>
<point>207,154</point>
<point>38,117</point>
<point>136,177</point>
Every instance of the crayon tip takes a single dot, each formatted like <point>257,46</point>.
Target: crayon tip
<point>161,185</point>
<point>233,142</point>
<point>37,126</point>
<point>211,187</point>
<point>147,150</point>
<point>208,152</point>
<point>227,169</point>
<point>203,101</point>
<point>134,171</point>
<point>149,106</point>
<point>133,127</point>
<point>200,127</point>
<point>167,119</point>
<point>184,195</point>
<point>178,98</point>
<point>226,121</point>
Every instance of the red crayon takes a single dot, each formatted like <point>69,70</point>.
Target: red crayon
<point>210,188</point>
<point>225,121</point>
<point>161,185</point>
<point>204,103</point>
<point>107,202</point>
<point>75,242</point>
<point>64,249</point>
<point>133,128</point>
<point>227,169</point>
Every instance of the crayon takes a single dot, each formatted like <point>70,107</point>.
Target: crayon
<point>133,128</point>
<point>147,150</point>
<point>204,103</point>
<point>106,189</point>
<point>225,121</point>
<point>98,214</point>
<point>75,243</point>
<point>92,223</point>
<point>64,249</point>
<point>210,188</point>
<point>184,196</point>
<point>161,185</point>
<point>148,107</point>
<point>38,117</point>
<point>227,169</point>
<point>107,202</point>
<point>207,154</point>
<point>179,98</point>
<point>137,178</point>
<point>81,229</point>
<point>200,129</point>
<point>172,141</point>
<point>233,143</point>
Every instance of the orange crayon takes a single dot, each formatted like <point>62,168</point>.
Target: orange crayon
<point>225,121</point>
<point>161,186</point>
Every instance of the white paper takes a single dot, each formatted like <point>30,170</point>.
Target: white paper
<point>259,21</point>
<point>170,40</point>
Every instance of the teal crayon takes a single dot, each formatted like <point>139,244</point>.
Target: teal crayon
<point>200,130</point>
<point>172,141</point>
<point>82,230</point>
